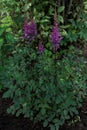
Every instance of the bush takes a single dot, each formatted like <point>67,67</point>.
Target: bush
<point>44,88</point>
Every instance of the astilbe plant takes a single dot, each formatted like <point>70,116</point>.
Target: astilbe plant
<point>34,93</point>
<point>55,35</point>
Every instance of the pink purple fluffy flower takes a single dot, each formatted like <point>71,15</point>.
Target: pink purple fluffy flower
<point>55,37</point>
<point>30,30</point>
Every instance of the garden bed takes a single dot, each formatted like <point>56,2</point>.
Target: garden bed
<point>9,122</point>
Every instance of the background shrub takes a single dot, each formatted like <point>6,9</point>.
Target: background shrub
<point>72,18</point>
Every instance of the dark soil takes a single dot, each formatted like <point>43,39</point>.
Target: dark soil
<point>8,122</point>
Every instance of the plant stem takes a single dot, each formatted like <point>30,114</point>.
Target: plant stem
<point>70,5</point>
<point>63,3</point>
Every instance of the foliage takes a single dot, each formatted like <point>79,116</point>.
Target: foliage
<point>43,88</point>
<point>72,18</point>
<point>6,35</point>
<point>46,87</point>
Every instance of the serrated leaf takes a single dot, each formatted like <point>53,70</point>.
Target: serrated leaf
<point>6,22</point>
<point>1,31</point>
<point>9,37</point>
<point>64,33</point>
<point>45,123</point>
<point>60,19</point>
<point>8,30</point>
<point>56,126</point>
<point>7,94</point>
<point>18,112</point>
<point>65,26</point>
<point>43,111</point>
<point>52,127</point>
<point>60,9</point>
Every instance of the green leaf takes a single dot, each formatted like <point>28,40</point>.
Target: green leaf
<point>60,19</point>
<point>60,9</point>
<point>52,127</point>
<point>64,32</point>
<point>9,38</point>
<point>85,4</point>
<point>1,31</point>
<point>45,123</point>
<point>6,21</point>
<point>43,111</point>
<point>11,109</point>
<point>1,42</point>
<point>7,94</point>
<point>8,29</point>
<point>19,112</point>
<point>56,126</point>
<point>65,26</point>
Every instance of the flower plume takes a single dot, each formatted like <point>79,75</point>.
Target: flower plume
<point>30,30</point>
<point>55,37</point>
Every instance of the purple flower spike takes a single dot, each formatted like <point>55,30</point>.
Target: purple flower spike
<point>55,37</point>
<point>41,47</point>
<point>30,30</point>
